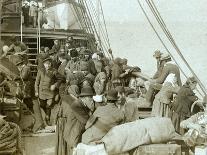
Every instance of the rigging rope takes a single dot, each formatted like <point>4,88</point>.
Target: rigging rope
<point>76,14</point>
<point>97,23</point>
<point>92,22</point>
<point>105,35</point>
<point>162,42</point>
<point>172,41</point>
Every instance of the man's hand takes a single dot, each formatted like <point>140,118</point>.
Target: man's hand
<point>52,87</point>
<point>36,94</point>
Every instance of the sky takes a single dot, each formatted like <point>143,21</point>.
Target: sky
<point>173,10</point>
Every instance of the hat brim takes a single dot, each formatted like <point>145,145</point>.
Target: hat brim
<point>111,98</point>
<point>85,94</point>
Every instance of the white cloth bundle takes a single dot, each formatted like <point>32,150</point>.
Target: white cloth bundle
<point>128,136</point>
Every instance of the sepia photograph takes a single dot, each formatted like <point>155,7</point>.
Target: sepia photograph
<point>103,77</point>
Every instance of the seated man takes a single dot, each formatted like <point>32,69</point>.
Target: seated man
<point>168,68</point>
<point>103,119</point>
<point>197,133</point>
<point>17,46</point>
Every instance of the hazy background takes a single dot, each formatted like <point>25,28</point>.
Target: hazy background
<point>132,37</point>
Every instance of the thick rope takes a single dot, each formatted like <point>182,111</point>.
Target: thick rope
<point>105,35</point>
<point>92,22</point>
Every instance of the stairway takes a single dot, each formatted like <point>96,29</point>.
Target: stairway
<point>31,43</point>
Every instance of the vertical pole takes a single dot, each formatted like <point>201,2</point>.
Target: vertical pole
<point>38,21</point>
<point>1,1</point>
<point>21,24</point>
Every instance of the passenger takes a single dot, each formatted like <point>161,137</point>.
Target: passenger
<point>91,65</point>
<point>63,58</point>
<point>56,46</point>
<point>182,105</point>
<point>103,119</point>
<point>196,125</point>
<point>46,85</point>
<point>33,13</point>
<point>168,68</point>
<point>73,88</point>
<point>25,12</point>
<point>117,70</point>
<point>158,55</point>
<point>71,121</point>
<point>86,98</point>
<point>40,57</point>
<point>97,62</point>
<point>163,99</point>
<point>17,46</point>
<point>100,82</point>
<point>108,75</point>
<point>72,65</point>
<point>26,76</point>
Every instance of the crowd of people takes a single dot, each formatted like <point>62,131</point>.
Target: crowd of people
<point>32,12</point>
<point>94,93</point>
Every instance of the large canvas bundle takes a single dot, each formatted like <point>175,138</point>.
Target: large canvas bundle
<point>158,149</point>
<point>9,69</point>
<point>140,132</point>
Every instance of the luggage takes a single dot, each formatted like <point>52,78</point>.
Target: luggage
<point>83,149</point>
<point>158,149</point>
<point>201,150</point>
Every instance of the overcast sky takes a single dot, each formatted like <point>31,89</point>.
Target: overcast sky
<point>173,10</point>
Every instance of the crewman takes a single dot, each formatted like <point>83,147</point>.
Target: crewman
<point>46,86</point>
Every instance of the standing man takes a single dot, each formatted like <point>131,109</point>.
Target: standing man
<point>45,86</point>
<point>33,12</point>
<point>25,12</point>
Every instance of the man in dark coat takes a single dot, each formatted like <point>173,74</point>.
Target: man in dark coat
<point>168,68</point>
<point>25,11</point>
<point>46,85</point>
<point>182,105</point>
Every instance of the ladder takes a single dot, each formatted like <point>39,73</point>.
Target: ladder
<point>33,44</point>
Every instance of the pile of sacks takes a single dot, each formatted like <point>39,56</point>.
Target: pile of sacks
<point>10,136</point>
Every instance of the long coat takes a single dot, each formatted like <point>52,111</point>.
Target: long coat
<point>70,125</point>
<point>168,69</point>
<point>43,82</point>
<point>163,99</point>
<point>102,120</point>
<point>182,105</point>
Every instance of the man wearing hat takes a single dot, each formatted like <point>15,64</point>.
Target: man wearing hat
<point>103,119</point>
<point>168,68</point>
<point>157,55</point>
<point>86,97</point>
<point>182,105</point>
<point>72,66</point>
<point>25,12</point>
<point>17,46</point>
<point>26,76</point>
<point>46,85</point>
<point>33,13</point>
